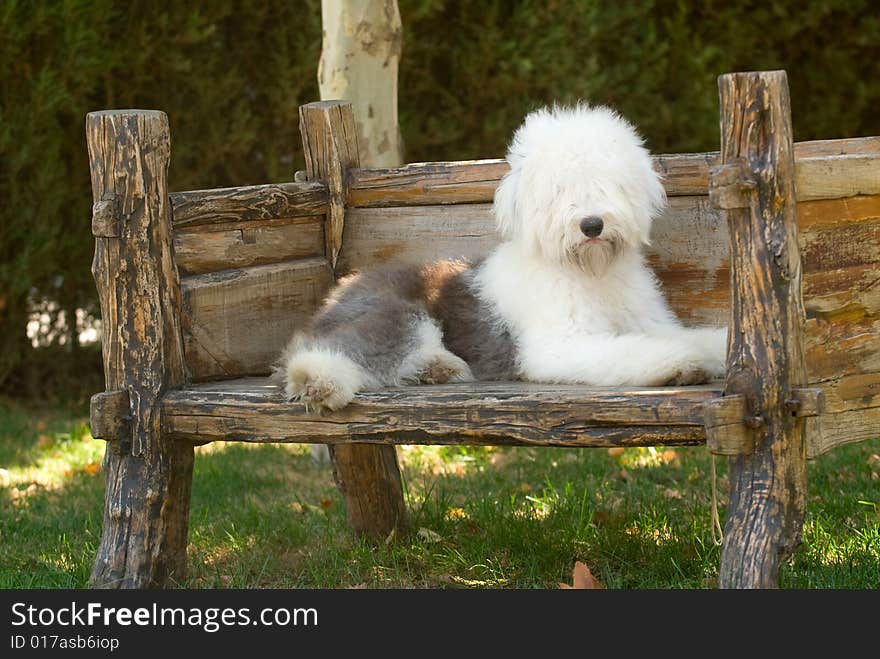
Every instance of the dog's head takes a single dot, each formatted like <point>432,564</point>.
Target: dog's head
<point>581,188</point>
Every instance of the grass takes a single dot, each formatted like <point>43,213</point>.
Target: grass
<point>265,517</point>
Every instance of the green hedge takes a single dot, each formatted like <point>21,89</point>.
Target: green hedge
<point>231,76</point>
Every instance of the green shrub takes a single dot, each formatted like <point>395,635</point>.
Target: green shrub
<point>231,75</point>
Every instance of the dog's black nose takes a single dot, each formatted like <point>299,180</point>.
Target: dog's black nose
<point>592,226</point>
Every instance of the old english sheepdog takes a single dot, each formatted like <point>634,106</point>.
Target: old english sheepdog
<point>566,297</point>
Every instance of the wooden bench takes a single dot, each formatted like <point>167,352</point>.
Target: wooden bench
<point>200,291</point>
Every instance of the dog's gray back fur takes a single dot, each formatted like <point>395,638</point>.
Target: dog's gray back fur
<point>373,317</point>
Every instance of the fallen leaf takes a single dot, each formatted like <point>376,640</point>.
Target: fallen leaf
<point>875,476</point>
<point>873,459</point>
<point>456,513</point>
<point>429,536</point>
<point>670,456</point>
<point>616,451</point>
<point>92,468</point>
<point>326,504</point>
<point>296,507</point>
<point>625,476</point>
<point>671,493</point>
<point>582,579</point>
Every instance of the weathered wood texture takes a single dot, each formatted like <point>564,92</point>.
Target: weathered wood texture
<point>243,244</point>
<point>253,202</point>
<point>367,476</point>
<point>252,409</point>
<point>765,354</point>
<point>825,169</point>
<point>148,480</point>
<point>110,417</point>
<point>236,322</point>
<point>512,413</point>
<point>330,149</point>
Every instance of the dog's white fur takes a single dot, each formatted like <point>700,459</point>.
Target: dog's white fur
<point>578,310</point>
<point>612,327</point>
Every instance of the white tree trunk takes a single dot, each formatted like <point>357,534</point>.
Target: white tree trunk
<point>359,59</point>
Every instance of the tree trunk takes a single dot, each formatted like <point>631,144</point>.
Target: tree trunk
<point>361,51</point>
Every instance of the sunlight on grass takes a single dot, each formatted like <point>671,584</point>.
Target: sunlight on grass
<point>266,516</point>
<point>61,455</point>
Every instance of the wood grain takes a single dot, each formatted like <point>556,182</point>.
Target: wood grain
<point>251,202</point>
<point>148,481</point>
<point>330,148</point>
<point>243,244</point>
<point>236,322</point>
<point>518,413</point>
<point>765,353</point>
<point>826,169</point>
<point>844,399</point>
<point>110,417</point>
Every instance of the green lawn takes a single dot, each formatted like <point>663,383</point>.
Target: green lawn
<point>264,517</point>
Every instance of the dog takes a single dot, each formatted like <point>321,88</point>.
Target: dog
<point>566,297</point>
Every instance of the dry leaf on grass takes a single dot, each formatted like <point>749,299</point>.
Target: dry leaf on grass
<point>92,468</point>
<point>672,493</point>
<point>456,513</point>
<point>582,579</point>
<point>429,536</point>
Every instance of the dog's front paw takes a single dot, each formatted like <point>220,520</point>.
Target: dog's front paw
<point>318,395</point>
<point>321,381</point>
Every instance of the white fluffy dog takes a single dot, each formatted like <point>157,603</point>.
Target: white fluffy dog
<point>566,297</point>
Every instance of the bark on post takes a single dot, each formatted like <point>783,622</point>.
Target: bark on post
<point>765,350</point>
<point>359,59</point>
<point>148,480</point>
<point>367,475</point>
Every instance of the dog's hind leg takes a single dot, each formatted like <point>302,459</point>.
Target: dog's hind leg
<point>429,362</point>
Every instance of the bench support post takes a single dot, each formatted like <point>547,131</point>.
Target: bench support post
<point>765,362</point>
<point>368,475</point>
<point>148,479</point>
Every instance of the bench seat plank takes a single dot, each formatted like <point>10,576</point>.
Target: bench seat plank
<point>484,413</point>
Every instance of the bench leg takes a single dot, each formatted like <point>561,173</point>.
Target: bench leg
<point>146,519</point>
<point>765,518</point>
<point>368,476</point>
<point>765,360</point>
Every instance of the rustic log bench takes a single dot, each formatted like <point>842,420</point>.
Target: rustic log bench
<point>200,290</point>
